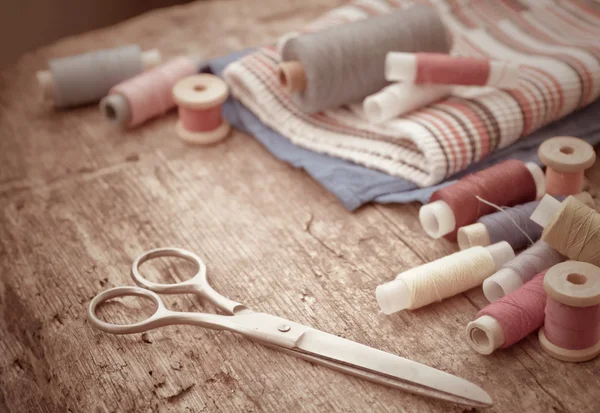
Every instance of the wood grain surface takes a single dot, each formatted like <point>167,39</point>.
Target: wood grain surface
<point>80,200</point>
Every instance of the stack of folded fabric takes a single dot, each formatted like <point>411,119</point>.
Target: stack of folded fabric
<point>408,157</point>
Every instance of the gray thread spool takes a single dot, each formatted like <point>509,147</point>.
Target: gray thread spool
<point>86,78</point>
<point>512,225</point>
<point>521,269</point>
<point>345,64</point>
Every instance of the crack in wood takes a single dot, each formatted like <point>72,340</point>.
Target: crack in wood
<point>180,394</point>
<point>553,397</point>
<point>307,229</point>
<point>395,226</point>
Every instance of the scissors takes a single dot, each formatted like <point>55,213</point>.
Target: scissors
<point>287,336</point>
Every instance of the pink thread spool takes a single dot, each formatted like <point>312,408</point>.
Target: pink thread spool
<point>566,159</point>
<point>571,329</point>
<point>147,95</point>
<point>510,319</point>
<point>443,69</point>
<point>200,98</point>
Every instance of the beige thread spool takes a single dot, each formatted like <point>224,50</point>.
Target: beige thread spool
<point>150,58</point>
<point>573,284</point>
<point>199,98</point>
<point>566,159</point>
<point>571,227</point>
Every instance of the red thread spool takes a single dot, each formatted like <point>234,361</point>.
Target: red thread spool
<point>571,329</point>
<point>508,183</point>
<point>200,98</point>
<point>566,159</point>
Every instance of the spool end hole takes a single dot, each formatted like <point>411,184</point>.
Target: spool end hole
<point>479,337</point>
<point>431,223</point>
<point>199,88</point>
<point>567,150</point>
<point>110,111</point>
<point>577,279</point>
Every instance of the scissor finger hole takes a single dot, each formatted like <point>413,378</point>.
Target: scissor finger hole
<point>168,269</point>
<point>126,309</point>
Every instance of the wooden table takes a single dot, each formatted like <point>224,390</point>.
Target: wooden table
<point>80,199</point>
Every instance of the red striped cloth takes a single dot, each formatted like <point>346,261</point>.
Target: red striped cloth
<point>555,43</point>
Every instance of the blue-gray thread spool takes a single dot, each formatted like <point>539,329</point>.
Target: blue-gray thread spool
<point>345,64</point>
<point>86,78</point>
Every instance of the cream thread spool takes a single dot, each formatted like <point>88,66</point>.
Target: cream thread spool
<point>47,82</point>
<point>400,98</point>
<point>574,286</point>
<point>438,219</point>
<point>442,278</point>
<point>570,227</point>
<point>199,98</point>
<point>566,159</point>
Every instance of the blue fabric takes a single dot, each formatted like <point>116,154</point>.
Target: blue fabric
<point>356,185</point>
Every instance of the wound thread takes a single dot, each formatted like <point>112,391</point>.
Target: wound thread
<point>575,231</point>
<point>88,77</point>
<point>513,225</point>
<point>517,315</point>
<point>566,158</point>
<point>443,69</point>
<point>345,64</point>
<point>148,94</point>
<point>518,271</point>
<point>508,183</point>
<point>571,329</point>
<point>442,278</point>
<point>200,99</point>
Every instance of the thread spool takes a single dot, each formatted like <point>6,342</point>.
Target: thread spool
<point>512,225</point>
<point>510,319</point>
<point>400,98</point>
<point>345,64</point>
<point>570,227</point>
<point>442,278</point>
<point>518,271</point>
<point>571,329</point>
<point>147,95</point>
<point>199,98</point>
<point>443,69</point>
<point>566,159</point>
<point>508,183</point>
<point>87,77</point>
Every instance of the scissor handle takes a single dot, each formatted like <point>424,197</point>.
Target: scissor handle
<point>161,317</point>
<point>198,284</point>
<point>151,322</point>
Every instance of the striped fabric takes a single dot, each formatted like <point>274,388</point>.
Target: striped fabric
<point>555,42</point>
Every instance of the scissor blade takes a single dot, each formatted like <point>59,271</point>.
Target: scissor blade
<point>367,362</point>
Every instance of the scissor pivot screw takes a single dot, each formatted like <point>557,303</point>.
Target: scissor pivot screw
<point>284,328</point>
